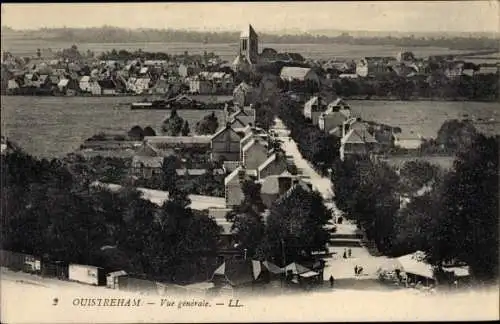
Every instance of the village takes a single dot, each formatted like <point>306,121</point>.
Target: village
<point>68,72</point>
<point>277,157</point>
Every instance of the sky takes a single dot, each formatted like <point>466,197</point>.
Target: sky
<point>409,16</point>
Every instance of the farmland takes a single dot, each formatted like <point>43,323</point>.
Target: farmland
<point>226,51</point>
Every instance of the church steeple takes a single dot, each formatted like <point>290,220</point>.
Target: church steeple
<point>249,44</point>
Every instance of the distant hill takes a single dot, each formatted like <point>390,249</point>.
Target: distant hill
<point>109,34</point>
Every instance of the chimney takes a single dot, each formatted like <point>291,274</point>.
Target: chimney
<point>241,173</point>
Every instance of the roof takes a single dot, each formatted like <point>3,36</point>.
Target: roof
<point>230,165</point>
<point>251,143</point>
<point>148,161</point>
<point>267,162</point>
<point>243,86</point>
<point>356,136</point>
<point>239,272</point>
<point>232,175</point>
<point>198,139</point>
<point>294,73</point>
<point>117,273</point>
<point>222,130</point>
<point>271,267</point>
<point>63,82</point>
<point>414,263</point>
<point>158,197</point>
<point>248,32</point>
<point>85,78</point>
<point>296,268</point>
<point>270,184</point>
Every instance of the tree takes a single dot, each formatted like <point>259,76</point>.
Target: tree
<point>296,226</point>
<point>248,224</point>
<point>416,174</point>
<point>149,131</point>
<point>456,135</point>
<point>169,173</point>
<point>208,125</point>
<point>172,126</point>
<point>466,227</point>
<point>136,133</point>
<point>185,129</point>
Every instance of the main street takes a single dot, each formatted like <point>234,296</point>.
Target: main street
<point>347,235</point>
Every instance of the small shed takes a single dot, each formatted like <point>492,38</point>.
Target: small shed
<point>112,278</point>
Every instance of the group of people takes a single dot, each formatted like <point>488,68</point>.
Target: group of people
<point>358,270</point>
<point>347,253</point>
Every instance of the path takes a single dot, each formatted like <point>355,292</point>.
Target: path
<point>347,235</point>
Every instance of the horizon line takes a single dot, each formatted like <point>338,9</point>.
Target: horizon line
<point>262,30</point>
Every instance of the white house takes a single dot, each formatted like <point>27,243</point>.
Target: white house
<point>408,139</point>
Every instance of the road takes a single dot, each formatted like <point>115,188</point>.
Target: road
<point>347,235</point>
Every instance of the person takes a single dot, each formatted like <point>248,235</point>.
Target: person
<point>356,270</point>
<point>332,281</point>
<point>345,254</point>
<point>360,270</point>
<point>349,252</point>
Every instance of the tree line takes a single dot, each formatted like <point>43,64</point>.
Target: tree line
<point>48,212</point>
<point>452,216</point>
<point>108,34</point>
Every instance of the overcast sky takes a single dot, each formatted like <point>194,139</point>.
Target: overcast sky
<point>411,16</point>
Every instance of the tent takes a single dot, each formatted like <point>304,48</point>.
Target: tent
<point>296,268</point>
<point>414,264</point>
<point>272,268</point>
<point>238,272</point>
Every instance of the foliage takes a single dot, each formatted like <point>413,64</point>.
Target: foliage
<point>136,133</point>
<point>456,135</point>
<point>149,131</point>
<point>185,129</point>
<point>67,220</point>
<point>172,126</point>
<point>208,125</point>
<point>296,226</point>
<point>466,227</point>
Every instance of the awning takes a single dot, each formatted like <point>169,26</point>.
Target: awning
<point>309,274</point>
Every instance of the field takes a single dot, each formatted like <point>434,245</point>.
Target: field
<point>26,47</point>
<point>54,126</point>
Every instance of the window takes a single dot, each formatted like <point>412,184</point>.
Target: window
<point>244,44</point>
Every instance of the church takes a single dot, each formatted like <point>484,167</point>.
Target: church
<point>248,56</point>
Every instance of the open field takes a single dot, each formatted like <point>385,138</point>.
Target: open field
<point>26,47</point>
<point>54,126</point>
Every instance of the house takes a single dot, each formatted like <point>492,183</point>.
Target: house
<point>335,115</point>
<point>246,115</point>
<point>233,185</point>
<point>108,87</point>
<point>225,145</point>
<point>95,88</point>
<point>301,75</point>
<point>161,87</point>
<point>148,149</point>
<point>146,166</point>
<point>244,94</point>
<point>67,86</point>
<point>142,85</point>
<point>373,66</point>
<point>275,164</point>
<point>241,64</point>
<point>356,140</point>
<point>187,70</point>
<point>237,124</point>
<point>313,108</point>
<point>85,83</point>
<point>201,86</point>
<point>12,86</point>
<point>408,139</point>
<point>275,186</point>
<point>254,153</point>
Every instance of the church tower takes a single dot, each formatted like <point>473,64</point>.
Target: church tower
<point>249,45</point>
